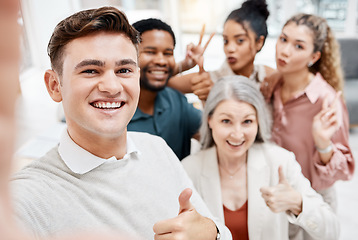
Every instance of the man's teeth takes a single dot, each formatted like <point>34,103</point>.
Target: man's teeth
<point>107,105</point>
<point>158,72</point>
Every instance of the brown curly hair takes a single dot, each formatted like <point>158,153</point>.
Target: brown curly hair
<point>329,65</point>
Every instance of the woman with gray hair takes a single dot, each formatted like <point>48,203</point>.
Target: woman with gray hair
<point>254,186</point>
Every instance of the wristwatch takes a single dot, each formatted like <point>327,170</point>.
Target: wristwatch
<point>218,235</point>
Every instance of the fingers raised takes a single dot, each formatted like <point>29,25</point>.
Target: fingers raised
<point>336,99</point>
<point>325,102</point>
<point>281,175</point>
<point>207,43</point>
<point>200,63</point>
<point>201,34</point>
<point>184,200</point>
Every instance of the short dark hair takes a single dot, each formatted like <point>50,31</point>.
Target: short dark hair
<point>84,23</point>
<point>151,24</point>
<point>254,13</point>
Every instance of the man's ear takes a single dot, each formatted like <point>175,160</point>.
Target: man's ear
<point>53,85</point>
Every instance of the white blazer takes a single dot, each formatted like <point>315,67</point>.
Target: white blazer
<point>317,218</point>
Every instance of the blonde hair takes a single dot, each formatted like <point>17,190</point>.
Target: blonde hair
<point>329,65</point>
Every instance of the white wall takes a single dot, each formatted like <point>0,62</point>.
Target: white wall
<point>40,18</point>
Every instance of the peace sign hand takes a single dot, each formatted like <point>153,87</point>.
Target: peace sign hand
<point>195,52</point>
<point>326,122</point>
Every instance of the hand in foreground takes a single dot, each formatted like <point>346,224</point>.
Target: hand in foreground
<point>9,86</point>
<point>269,84</point>
<point>9,89</point>
<point>201,83</point>
<point>189,224</point>
<point>282,197</point>
<point>326,122</point>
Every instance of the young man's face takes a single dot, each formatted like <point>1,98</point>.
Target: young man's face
<point>156,59</point>
<point>99,86</point>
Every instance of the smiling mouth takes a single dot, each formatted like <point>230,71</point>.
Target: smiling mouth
<point>235,144</point>
<point>108,105</point>
<point>156,72</point>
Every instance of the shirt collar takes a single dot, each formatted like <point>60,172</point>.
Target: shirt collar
<point>314,87</point>
<point>162,102</point>
<point>80,161</point>
<point>160,105</point>
<point>312,90</point>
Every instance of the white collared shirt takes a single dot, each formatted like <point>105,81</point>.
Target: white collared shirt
<point>81,161</point>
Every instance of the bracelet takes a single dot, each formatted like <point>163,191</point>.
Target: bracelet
<point>325,150</point>
<point>218,235</point>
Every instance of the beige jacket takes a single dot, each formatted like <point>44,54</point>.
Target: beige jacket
<point>316,217</point>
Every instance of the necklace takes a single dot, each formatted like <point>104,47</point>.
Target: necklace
<point>231,175</point>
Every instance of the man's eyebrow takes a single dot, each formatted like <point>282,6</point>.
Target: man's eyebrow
<point>126,62</point>
<point>154,48</point>
<point>149,47</point>
<point>89,62</point>
<point>93,62</point>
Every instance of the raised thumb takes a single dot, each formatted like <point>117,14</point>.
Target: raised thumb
<point>184,200</point>
<point>201,64</point>
<point>325,103</point>
<point>281,175</point>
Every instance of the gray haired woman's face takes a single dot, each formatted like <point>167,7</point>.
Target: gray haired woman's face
<point>234,126</point>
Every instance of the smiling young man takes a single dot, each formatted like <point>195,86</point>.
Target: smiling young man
<point>100,176</point>
<point>162,111</point>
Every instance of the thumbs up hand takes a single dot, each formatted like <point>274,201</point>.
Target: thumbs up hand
<point>201,83</point>
<point>282,197</point>
<point>189,224</point>
<point>195,52</point>
<point>184,201</point>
